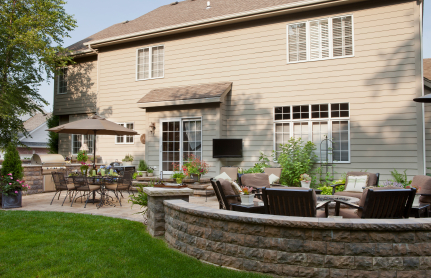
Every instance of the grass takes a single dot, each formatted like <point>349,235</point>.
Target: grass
<point>54,244</point>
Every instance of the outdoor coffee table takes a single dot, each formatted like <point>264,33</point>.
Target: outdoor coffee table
<point>333,198</point>
<point>248,208</point>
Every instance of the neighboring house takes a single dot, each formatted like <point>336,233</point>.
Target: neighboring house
<point>260,70</point>
<point>37,142</point>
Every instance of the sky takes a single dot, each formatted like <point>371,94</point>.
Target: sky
<point>95,15</point>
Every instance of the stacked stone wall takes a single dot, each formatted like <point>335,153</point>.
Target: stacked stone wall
<point>300,247</point>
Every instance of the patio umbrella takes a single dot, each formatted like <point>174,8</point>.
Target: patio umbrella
<point>424,99</point>
<point>94,125</point>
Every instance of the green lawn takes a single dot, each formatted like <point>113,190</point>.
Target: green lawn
<point>51,244</point>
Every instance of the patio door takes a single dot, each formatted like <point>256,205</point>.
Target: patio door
<point>179,139</point>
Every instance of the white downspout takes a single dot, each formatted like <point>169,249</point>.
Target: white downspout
<point>422,80</point>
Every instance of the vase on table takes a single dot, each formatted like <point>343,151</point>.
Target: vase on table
<point>305,184</point>
<point>247,200</point>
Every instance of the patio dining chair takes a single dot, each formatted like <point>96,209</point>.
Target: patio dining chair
<point>61,185</point>
<point>383,202</point>
<point>82,185</point>
<point>293,201</point>
<point>123,184</point>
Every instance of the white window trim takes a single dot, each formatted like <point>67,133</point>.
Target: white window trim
<point>331,45</point>
<point>181,119</point>
<point>124,136</point>
<point>328,120</point>
<point>58,83</point>
<point>82,141</point>
<point>150,62</point>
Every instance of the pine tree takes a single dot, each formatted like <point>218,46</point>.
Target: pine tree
<point>53,121</point>
<point>12,162</point>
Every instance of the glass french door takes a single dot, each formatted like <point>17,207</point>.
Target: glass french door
<point>179,139</point>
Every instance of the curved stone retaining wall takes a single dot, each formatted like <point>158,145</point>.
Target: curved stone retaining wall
<point>300,247</point>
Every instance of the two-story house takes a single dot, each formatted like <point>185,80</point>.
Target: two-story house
<point>258,70</point>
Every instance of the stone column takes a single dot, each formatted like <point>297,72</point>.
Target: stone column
<point>156,211</point>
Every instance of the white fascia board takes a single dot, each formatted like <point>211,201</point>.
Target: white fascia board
<point>218,19</point>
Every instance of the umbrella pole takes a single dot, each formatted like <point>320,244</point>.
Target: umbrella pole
<point>94,152</point>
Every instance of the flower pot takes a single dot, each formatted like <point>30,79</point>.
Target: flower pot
<point>127,163</point>
<point>305,184</point>
<point>144,173</point>
<point>179,180</point>
<point>196,178</point>
<point>150,174</point>
<point>9,201</point>
<point>247,199</point>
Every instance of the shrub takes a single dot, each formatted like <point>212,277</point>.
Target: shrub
<point>401,178</point>
<point>128,158</point>
<point>12,163</point>
<point>142,165</point>
<point>53,121</point>
<point>260,166</point>
<point>296,158</point>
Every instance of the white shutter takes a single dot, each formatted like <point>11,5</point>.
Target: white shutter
<point>297,37</point>
<point>342,33</point>
<point>319,39</point>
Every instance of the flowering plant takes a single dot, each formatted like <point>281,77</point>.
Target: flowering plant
<point>305,177</point>
<point>177,173</point>
<point>84,167</point>
<point>195,166</point>
<point>247,190</point>
<point>11,186</point>
<point>82,156</point>
<point>392,184</point>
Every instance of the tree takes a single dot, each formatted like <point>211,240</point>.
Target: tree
<point>53,121</point>
<point>31,35</point>
<point>12,162</point>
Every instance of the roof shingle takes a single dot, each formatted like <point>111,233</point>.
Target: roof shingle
<point>183,12</point>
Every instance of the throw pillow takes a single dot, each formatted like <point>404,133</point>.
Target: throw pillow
<point>223,176</point>
<point>226,186</point>
<point>356,183</point>
<point>236,188</point>
<point>273,179</point>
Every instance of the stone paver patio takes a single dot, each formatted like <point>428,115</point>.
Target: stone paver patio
<point>41,202</point>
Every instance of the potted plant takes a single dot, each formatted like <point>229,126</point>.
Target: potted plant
<point>82,158</point>
<point>150,171</point>
<point>11,185</point>
<point>247,196</point>
<point>142,168</point>
<point>305,180</point>
<point>127,160</point>
<point>179,175</point>
<point>196,167</point>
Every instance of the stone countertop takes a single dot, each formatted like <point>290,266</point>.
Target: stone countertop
<point>158,191</point>
<point>302,222</point>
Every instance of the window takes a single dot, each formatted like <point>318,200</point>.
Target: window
<point>320,39</point>
<point>180,138</point>
<point>150,63</point>
<point>78,140</point>
<point>62,81</point>
<point>315,123</point>
<point>125,139</point>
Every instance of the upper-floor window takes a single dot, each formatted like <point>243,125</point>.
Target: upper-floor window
<point>316,123</point>
<point>62,81</point>
<point>326,38</point>
<point>125,139</point>
<point>150,62</point>
<point>79,140</point>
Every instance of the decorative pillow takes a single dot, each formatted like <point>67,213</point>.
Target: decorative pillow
<point>236,188</point>
<point>223,176</point>
<point>226,186</point>
<point>273,179</point>
<point>356,183</point>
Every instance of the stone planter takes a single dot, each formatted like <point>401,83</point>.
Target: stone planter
<point>305,184</point>
<point>150,174</point>
<point>196,178</point>
<point>144,173</point>
<point>9,202</point>
<point>247,199</point>
<point>127,163</point>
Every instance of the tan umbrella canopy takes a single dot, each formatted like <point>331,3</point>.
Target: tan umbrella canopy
<point>424,99</point>
<point>94,125</point>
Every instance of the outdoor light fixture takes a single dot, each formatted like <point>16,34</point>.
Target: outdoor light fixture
<point>152,128</point>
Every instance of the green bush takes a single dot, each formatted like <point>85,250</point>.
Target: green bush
<point>401,178</point>
<point>296,158</point>
<point>53,121</point>
<point>12,163</point>
<point>142,165</point>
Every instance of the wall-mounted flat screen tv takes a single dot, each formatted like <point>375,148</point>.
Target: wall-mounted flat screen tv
<point>223,148</point>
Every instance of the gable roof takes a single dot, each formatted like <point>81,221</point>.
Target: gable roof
<point>36,121</point>
<point>202,93</point>
<point>188,12</point>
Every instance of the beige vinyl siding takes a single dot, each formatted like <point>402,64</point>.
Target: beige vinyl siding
<point>81,96</point>
<point>427,90</point>
<point>379,82</point>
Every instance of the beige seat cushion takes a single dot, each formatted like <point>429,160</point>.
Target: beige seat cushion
<point>70,186</point>
<point>94,187</point>
<point>258,180</point>
<point>228,190</point>
<point>275,171</point>
<point>350,194</point>
<point>232,172</point>
<point>422,183</point>
<point>349,213</point>
<point>111,186</point>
